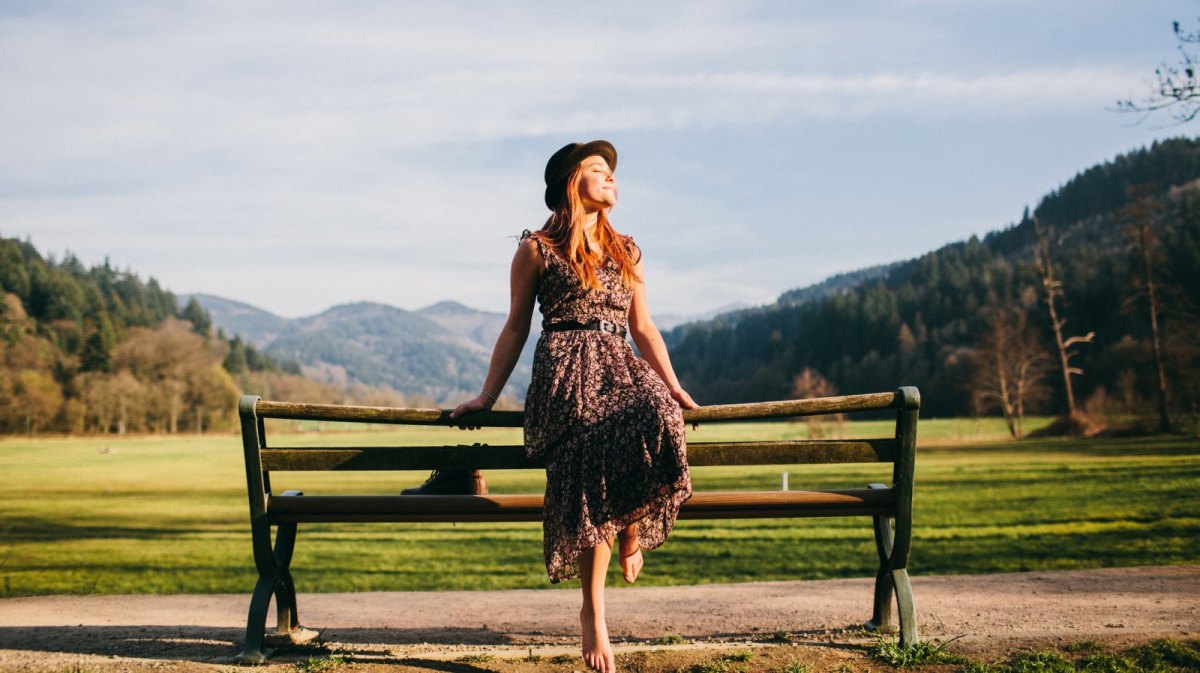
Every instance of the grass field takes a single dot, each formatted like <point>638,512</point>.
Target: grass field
<point>168,515</point>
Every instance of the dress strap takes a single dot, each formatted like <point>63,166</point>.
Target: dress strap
<point>527,234</point>
<point>635,252</point>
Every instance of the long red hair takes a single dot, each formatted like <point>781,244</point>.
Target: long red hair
<point>564,232</point>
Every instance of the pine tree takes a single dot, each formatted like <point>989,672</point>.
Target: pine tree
<point>195,314</point>
<point>98,349</point>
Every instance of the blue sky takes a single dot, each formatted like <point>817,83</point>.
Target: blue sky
<point>297,155</point>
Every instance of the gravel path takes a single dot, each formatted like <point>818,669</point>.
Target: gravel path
<point>990,611</point>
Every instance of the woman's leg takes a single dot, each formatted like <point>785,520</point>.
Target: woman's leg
<point>593,565</point>
<point>630,554</point>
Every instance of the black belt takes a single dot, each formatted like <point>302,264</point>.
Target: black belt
<point>600,325</point>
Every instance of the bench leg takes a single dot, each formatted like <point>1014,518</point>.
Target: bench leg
<point>274,579</point>
<point>287,620</point>
<point>881,618</point>
<point>906,607</point>
<point>255,651</point>
<point>892,582</point>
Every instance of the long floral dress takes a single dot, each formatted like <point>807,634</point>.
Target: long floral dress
<point>611,435</point>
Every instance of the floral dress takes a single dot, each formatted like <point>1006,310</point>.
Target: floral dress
<point>611,435</point>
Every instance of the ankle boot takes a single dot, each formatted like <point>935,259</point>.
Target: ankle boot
<point>451,482</point>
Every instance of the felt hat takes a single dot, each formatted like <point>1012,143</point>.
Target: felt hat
<point>562,162</point>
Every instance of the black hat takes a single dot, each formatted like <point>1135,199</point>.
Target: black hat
<point>562,162</point>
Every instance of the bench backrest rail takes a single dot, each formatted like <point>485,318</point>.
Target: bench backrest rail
<point>514,419</point>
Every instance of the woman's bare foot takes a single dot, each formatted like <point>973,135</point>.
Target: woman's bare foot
<point>630,554</point>
<point>597,652</point>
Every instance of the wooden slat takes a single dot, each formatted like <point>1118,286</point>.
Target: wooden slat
<point>481,456</point>
<point>785,408</point>
<point>703,505</point>
<point>514,419</point>
<point>793,452</point>
<point>773,504</point>
<point>394,415</point>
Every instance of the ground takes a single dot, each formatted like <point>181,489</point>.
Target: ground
<point>767,624</point>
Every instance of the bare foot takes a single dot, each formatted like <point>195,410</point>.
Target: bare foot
<point>597,652</point>
<point>631,556</point>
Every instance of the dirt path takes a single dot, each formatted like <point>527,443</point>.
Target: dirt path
<point>994,613</point>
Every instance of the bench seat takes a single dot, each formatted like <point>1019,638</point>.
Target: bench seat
<point>294,508</point>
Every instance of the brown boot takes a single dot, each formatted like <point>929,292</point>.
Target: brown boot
<point>451,482</point>
<point>479,483</point>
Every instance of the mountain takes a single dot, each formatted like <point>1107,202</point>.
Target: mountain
<point>482,327</point>
<point>669,321</point>
<point>254,325</point>
<point>441,352</point>
<point>834,284</point>
<point>920,321</point>
<point>100,350</point>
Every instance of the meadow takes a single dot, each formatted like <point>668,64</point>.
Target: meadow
<point>157,514</point>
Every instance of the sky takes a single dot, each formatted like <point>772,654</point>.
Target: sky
<point>299,155</point>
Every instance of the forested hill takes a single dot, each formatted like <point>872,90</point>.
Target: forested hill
<point>100,350</point>
<point>921,322</point>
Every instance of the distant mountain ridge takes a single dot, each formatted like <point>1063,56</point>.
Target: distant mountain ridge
<point>253,324</point>
<point>441,352</point>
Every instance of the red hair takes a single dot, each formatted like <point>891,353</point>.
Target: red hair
<point>564,232</point>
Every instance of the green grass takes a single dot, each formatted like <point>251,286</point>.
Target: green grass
<point>169,515</point>
<point>1160,656</point>
<point>321,663</point>
<point>920,654</point>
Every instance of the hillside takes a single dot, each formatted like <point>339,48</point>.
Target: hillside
<point>436,355</point>
<point>100,350</point>
<point>385,346</point>
<point>921,321</point>
<point>254,325</point>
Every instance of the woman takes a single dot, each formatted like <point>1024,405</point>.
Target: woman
<point>607,422</point>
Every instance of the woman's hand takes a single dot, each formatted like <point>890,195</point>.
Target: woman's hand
<point>685,401</point>
<point>680,395</point>
<point>480,402</point>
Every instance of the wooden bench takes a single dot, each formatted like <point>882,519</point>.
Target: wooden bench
<point>284,511</point>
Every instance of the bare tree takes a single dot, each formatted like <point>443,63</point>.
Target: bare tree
<point>1053,289</point>
<point>1010,364</point>
<point>810,383</point>
<point>1176,84</point>
<point>1139,216</point>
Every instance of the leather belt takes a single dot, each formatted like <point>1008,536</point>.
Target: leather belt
<point>599,325</point>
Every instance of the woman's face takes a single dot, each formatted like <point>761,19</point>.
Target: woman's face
<point>597,186</point>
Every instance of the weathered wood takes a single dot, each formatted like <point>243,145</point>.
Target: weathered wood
<point>528,507</point>
<point>514,419</point>
<point>785,408</point>
<point>390,415</point>
<point>510,457</point>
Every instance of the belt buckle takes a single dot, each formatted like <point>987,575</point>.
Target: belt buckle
<point>606,326</point>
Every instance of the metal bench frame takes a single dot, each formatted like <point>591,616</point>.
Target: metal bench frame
<point>283,512</point>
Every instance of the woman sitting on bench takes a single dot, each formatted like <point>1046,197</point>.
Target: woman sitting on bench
<point>607,422</point>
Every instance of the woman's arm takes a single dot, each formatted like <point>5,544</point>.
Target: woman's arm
<point>650,342</point>
<point>523,281</point>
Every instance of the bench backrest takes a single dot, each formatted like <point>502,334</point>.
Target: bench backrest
<point>262,458</point>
